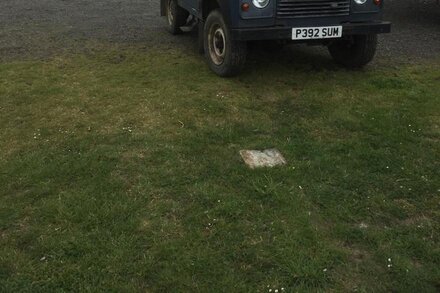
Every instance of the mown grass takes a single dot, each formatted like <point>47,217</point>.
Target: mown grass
<point>120,171</point>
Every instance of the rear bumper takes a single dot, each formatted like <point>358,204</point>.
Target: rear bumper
<point>285,33</point>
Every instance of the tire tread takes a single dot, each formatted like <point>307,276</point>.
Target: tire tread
<point>360,54</point>
<point>180,17</point>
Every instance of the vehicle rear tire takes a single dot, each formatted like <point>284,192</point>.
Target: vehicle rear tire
<point>354,52</point>
<point>225,56</point>
<point>176,17</point>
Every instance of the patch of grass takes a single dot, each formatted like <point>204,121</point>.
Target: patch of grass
<point>120,171</point>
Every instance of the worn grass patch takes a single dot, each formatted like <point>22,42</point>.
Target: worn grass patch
<point>120,171</point>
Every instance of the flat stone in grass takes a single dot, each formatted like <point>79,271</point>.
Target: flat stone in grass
<point>266,158</point>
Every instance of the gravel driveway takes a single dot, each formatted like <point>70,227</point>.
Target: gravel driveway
<point>31,28</point>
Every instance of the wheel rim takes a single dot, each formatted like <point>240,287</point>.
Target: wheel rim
<point>170,15</point>
<point>217,44</point>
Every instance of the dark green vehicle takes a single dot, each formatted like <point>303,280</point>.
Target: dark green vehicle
<point>349,28</point>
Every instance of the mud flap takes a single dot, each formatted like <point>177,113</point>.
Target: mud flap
<point>163,7</point>
<point>200,45</point>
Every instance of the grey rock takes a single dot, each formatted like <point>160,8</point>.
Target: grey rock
<point>266,158</point>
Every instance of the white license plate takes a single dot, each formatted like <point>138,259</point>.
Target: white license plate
<point>310,33</point>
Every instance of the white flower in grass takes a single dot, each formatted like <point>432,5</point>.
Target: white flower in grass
<point>363,226</point>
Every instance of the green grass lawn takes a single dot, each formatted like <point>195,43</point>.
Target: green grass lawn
<point>120,171</point>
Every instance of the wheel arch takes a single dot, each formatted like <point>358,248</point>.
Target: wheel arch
<point>206,6</point>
